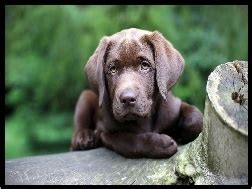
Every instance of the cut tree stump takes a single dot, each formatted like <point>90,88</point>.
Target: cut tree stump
<point>227,119</point>
<point>219,155</point>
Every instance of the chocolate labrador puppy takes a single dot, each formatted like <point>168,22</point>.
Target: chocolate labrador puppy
<point>130,107</point>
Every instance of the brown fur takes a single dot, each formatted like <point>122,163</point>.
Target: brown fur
<point>130,108</point>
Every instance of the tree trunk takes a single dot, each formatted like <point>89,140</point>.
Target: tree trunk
<point>227,119</point>
<point>220,154</point>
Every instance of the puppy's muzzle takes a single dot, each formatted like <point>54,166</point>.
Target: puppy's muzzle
<point>128,97</point>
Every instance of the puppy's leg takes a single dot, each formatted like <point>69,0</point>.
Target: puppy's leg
<point>131,145</point>
<point>85,136</point>
<point>189,125</point>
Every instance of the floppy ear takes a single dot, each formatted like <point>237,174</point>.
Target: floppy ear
<point>94,69</point>
<point>169,62</point>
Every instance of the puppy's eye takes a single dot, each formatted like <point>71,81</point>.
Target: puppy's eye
<point>112,69</point>
<point>145,65</point>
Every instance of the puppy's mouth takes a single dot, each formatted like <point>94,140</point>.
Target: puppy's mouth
<point>130,117</point>
<point>134,113</point>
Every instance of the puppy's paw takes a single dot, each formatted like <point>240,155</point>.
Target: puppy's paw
<point>190,123</point>
<point>84,140</point>
<point>164,146</point>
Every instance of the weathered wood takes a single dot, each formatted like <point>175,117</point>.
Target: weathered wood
<point>227,90</point>
<point>227,119</point>
<point>218,156</point>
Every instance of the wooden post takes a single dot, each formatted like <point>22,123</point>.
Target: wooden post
<point>220,154</point>
<point>226,119</point>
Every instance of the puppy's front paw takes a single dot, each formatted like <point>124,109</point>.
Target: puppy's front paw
<point>167,145</point>
<point>85,140</point>
<point>164,146</point>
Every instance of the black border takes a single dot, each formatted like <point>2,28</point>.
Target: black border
<point>2,93</point>
<point>90,2</point>
<point>128,2</point>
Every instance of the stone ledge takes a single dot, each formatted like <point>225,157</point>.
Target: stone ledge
<point>98,166</point>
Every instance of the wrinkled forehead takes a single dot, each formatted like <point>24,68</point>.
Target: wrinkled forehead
<point>131,33</point>
<point>127,46</point>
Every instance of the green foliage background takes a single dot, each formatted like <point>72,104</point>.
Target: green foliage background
<point>46,48</point>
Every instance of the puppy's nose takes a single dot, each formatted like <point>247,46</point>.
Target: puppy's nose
<point>128,97</point>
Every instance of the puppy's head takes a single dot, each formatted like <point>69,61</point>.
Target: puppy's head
<point>125,67</point>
